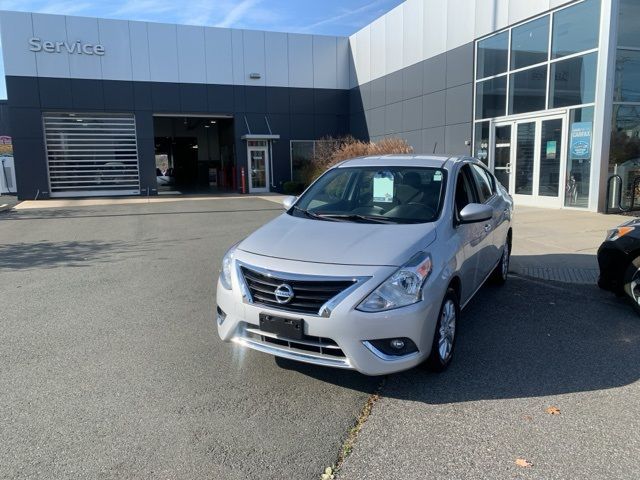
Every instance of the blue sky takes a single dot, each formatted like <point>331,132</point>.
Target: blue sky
<point>332,17</point>
<point>329,17</point>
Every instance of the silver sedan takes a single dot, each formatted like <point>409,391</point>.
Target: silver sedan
<point>370,267</point>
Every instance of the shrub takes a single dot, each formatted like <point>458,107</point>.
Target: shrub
<point>331,151</point>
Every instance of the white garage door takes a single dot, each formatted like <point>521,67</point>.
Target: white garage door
<point>91,154</point>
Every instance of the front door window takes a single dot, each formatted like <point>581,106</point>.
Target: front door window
<point>550,150</point>
<point>502,154</point>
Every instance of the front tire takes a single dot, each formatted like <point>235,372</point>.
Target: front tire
<point>501,272</point>
<point>444,339</point>
<point>632,283</point>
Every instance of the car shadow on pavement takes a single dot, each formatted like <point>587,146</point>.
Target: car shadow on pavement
<point>529,338</point>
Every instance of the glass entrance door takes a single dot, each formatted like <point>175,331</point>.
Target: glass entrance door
<point>529,159</point>
<point>258,170</point>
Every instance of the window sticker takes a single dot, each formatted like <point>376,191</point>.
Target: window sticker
<point>383,187</point>
<point>437,177</point>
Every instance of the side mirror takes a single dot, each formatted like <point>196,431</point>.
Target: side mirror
<point>476,212</point>
<point>288,202</point>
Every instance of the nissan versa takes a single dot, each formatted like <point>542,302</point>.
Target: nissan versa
<point>369,268</point>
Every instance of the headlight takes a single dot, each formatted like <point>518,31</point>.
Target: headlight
<point>616,233</point>
<point>227,268</point>
<point>402,288</point>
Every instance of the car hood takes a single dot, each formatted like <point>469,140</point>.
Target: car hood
<point>343,243</point>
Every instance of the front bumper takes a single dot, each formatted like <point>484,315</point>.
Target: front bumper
<point>338,340</point>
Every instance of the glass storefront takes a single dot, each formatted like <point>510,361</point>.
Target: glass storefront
<point>546,78</point>
<point>624,153</point>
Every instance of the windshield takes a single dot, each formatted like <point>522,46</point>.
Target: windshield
<point>375,195</point>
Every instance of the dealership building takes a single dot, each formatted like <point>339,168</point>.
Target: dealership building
<point>545,92</point>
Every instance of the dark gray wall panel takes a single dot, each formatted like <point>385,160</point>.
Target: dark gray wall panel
<point>394,87</point>
<point>327,101</point>
<point>165,97</point>
<point>26,123</point>
<point>278,100</point>
<point>23,91</point>
<point>142,96</point>
<point>393,118</point>
<point>54,93</point>
<point>455,138</point>
<point>375,121</point>
<point>302,127</point>
<point>193,98</point>
<point>280,124</point>
<point>325,125</point>
<point>360,98</point>
<point>239,104</point>
<point>5,127</point>
<point>118,96</point>
<point>460,65</point>
<point>358,126</point>
<point>433,138</point>
<point>378,92</point>
<point>433,109</point>
<point>459,104</point>
<point>301,100</point>
<point>146,152</point>
<point>412,81</point>
<point>434,74</point>
<point>256,99</point>
<point>220,98</point>
<point>87,94</point>
<point>412,114</point>
<point>31,167</point>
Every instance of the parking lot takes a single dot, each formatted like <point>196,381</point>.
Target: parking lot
<point>111,367</point>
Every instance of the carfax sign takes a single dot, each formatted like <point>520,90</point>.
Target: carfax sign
<point>581,140</point>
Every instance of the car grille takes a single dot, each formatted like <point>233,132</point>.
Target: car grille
<point>324,347</point>
<point>308,295</point>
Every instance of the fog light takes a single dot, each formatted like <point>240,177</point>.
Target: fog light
<point>220,315</point>
<point>391,347</point>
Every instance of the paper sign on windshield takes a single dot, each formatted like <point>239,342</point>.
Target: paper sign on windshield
<point>383,187</point>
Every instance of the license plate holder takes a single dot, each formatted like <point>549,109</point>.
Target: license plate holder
<point>291,328</point>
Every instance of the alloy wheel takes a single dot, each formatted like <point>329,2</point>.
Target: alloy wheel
<point>447,330</point>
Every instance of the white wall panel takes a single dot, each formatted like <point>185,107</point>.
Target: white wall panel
<point>116,62</point>
<point>325,68</point>
<point>237,50</point>
<point>342,53</point>
<point>522,9</point>
<point>17,29</point>
<point>84,30</point>
<point>300,60</point>
<point>192,65</point>
<point>435,33</point>
<point>51,28</point>
<point>277,59</point>
<point>378,48</point>
<point>394,40</point>
<point>254,62</point>
<point>491,16</point>
<point>163,52</point>
<point>219,57</point>
<point>138,34</point>
<point>363,57</point>
<point>460,22</point>
<point>413,18</point>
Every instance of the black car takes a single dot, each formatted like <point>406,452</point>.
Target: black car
<point>619,261</point>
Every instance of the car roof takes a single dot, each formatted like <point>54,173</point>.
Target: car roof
<point>405,160</point>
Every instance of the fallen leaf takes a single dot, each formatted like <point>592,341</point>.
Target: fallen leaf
<point>553,411</point>
<point>523,463</point>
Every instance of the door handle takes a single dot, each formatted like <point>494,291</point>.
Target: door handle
<point>487,227</point>
<point>508,168</point>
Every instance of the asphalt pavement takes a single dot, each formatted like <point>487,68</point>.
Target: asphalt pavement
<point>111,367</point>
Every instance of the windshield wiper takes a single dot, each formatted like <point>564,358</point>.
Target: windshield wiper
<point>353,216</point>
<point>313,215</point>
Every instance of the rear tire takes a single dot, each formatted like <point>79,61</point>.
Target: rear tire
<point>444,338</point>
<point>632,283</point>
<point>501,272</point>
